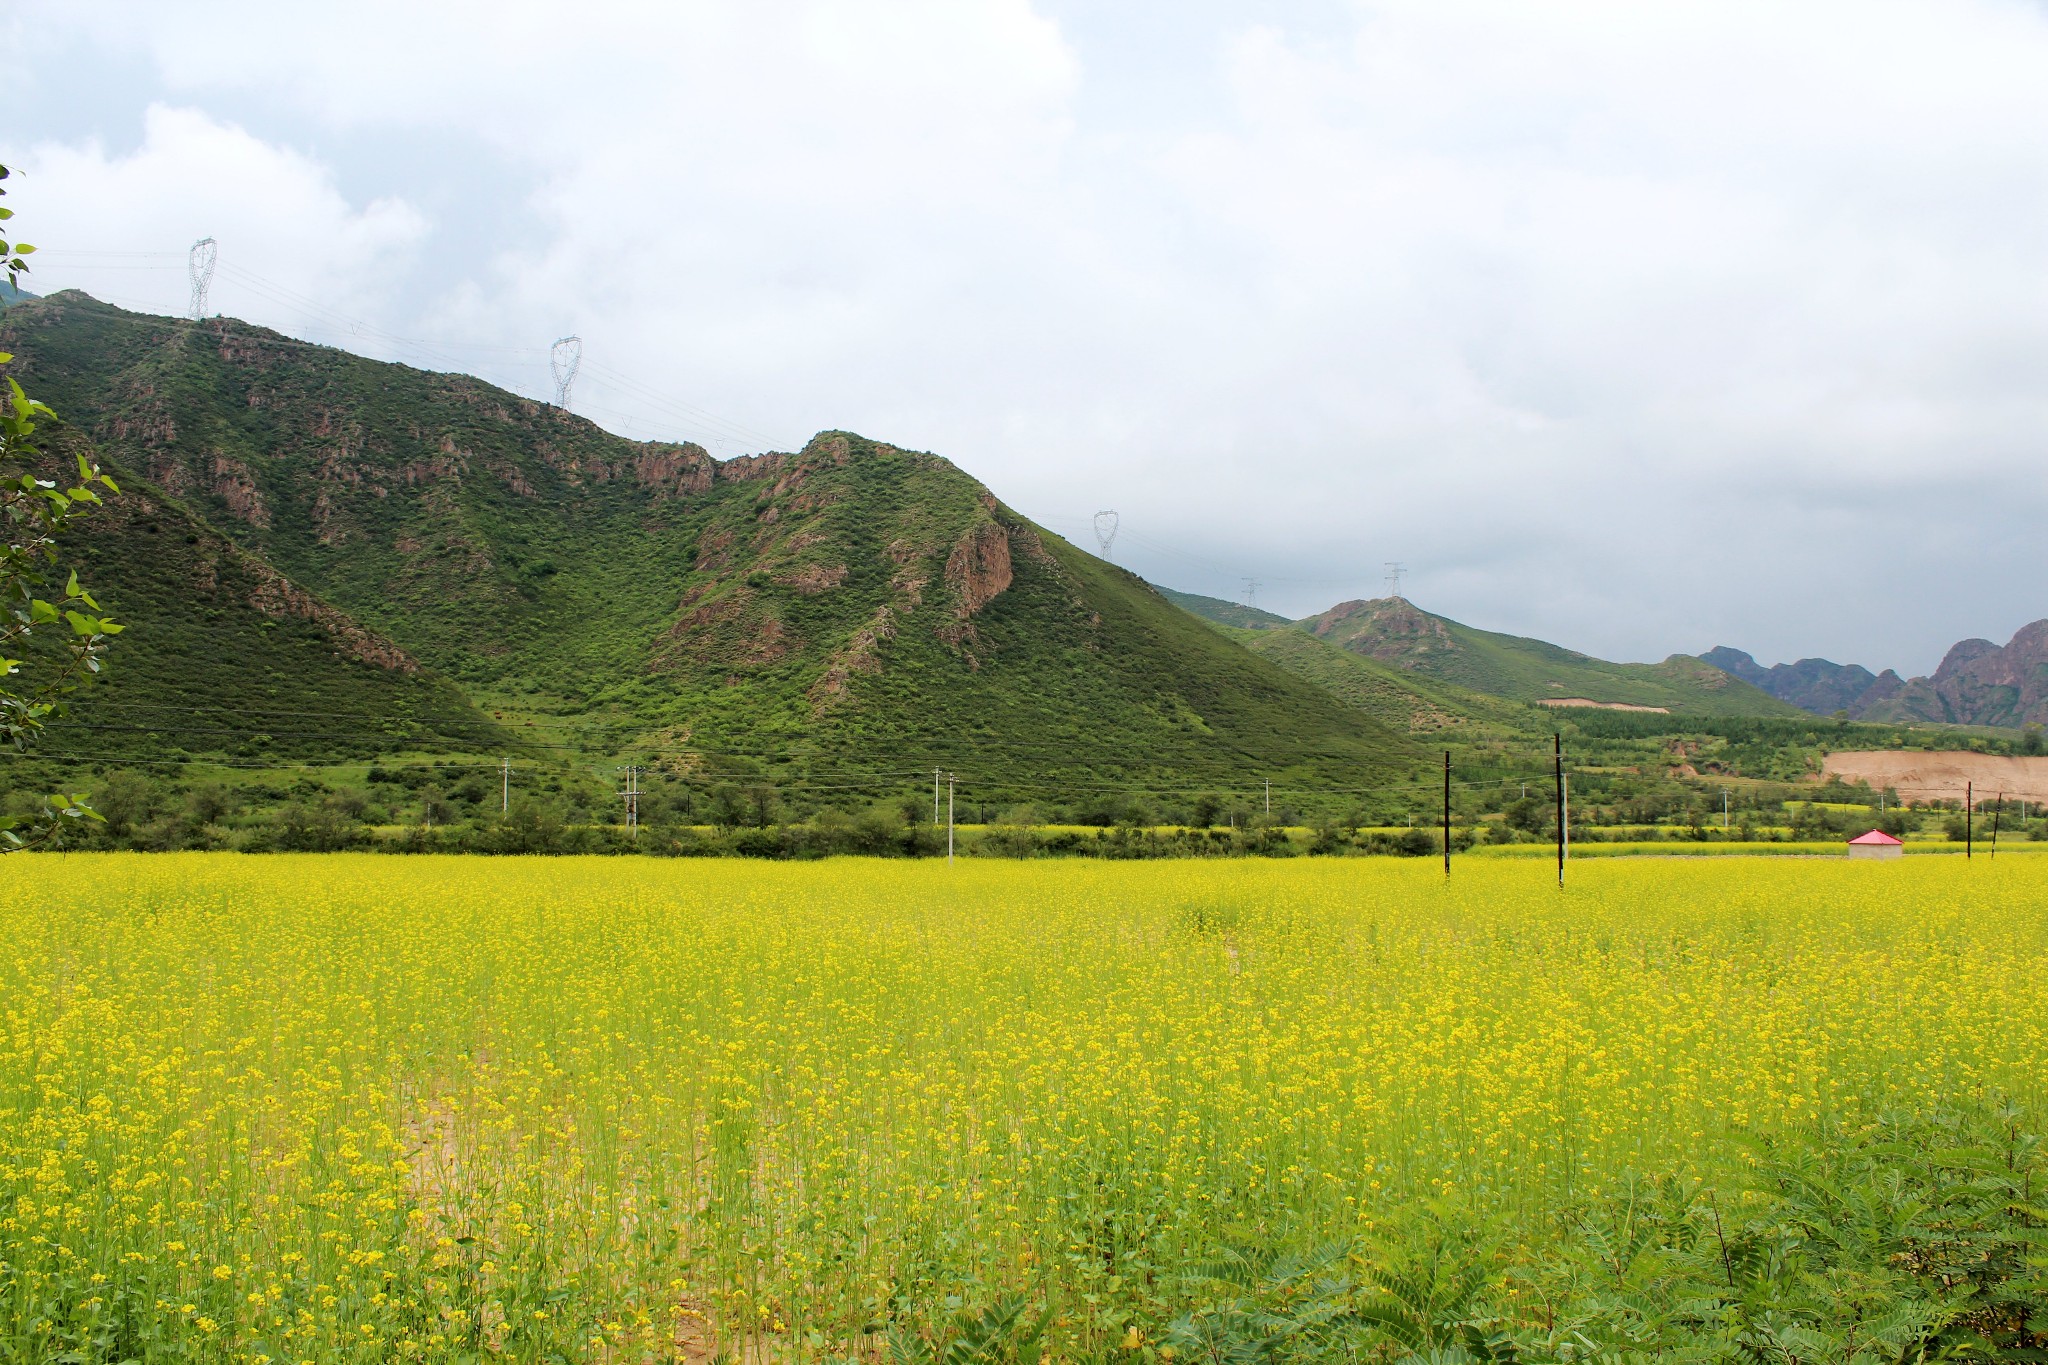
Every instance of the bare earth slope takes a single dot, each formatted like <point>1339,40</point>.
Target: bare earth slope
<point>1920,776</point>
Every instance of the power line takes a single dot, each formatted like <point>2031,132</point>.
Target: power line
<point>1106,524</point>
<point>896,780</point>
<point>723,431</point>
<point>565,357</point>
<point>205,252</point>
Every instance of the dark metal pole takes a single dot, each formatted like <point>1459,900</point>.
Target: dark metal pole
<point>1447,812</point>
<point>1996,811</point>
<point>1557,742</point>
<point>1969,820</point>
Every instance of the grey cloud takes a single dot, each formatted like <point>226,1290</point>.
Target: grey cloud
<point>1642,328</point>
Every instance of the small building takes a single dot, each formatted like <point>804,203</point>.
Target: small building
<point>1876,844</point>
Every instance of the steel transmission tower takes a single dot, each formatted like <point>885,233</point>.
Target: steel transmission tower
<point>1394,572</point>
<point>1105,531</point>
<point>564,360</point>
<point>205,252</point>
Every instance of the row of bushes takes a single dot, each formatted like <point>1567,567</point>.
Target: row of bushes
<point>538,827</point>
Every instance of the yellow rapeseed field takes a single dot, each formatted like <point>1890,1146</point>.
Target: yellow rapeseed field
<point>370,1107</point>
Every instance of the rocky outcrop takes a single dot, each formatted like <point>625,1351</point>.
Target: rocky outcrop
<point>1387,628</point>
<point>277,596</point>
<point>1978,683</point>
<point>675,471</point>
<point>235,484</point>
<point>813,579</point>
<point>978,570</point>
<point>861,654</point>
<point>1815,685</point>
<point>732,628</point>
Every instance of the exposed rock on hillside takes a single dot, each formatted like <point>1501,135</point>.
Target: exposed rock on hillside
<point>1978,683</point>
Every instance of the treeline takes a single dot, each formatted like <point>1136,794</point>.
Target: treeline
<point>457,807</point>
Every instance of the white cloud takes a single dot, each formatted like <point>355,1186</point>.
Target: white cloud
<point>274,213</point>
<point>1641,327</point>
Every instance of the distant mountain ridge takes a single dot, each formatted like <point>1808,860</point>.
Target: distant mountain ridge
<point>1225,612</point>
<point>1394,630</point>
<point>1977,683</point>
<point>1817,685</point>
<point>1402,638</point>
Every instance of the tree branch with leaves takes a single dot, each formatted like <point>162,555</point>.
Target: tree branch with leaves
<point>60,633</point>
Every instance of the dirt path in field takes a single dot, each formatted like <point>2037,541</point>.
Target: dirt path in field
<point>1919,776</point>
<point>1601,705</point>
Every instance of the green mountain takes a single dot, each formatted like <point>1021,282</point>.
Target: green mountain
<point>1414,702</point>
<point>223,654</point>
<point>851,608</point>
<point>1225,613</point>
<point>1391,695</point>
<point>1395,631</point>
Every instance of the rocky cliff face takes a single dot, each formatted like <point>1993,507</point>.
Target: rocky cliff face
<point>1815,685</point>
<point>1978,683</point>
<point>1390,629</point>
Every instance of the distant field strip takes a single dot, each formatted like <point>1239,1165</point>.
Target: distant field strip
<point>359,1107</point>
<point>1919,775</point>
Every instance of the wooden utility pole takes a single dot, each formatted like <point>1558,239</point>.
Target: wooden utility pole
<point>1447,813</point>
<point>1557,758</point>
<point>632,795</point>
<point>1996,811</point>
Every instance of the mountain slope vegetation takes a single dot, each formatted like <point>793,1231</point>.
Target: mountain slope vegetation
<point>851,605</point>
<point>1407,645</point>
<point>224,654</point>
<point>1396,632</point>
<point>1417,703</point>
<point>1225,613</point>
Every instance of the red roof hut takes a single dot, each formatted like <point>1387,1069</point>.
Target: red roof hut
<point>1876,844</point>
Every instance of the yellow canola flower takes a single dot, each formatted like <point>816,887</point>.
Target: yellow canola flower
<point>517,1098</point>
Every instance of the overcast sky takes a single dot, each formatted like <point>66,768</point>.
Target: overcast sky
<point>1641,326</point>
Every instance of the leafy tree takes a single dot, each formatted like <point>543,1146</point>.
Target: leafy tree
<point>530,826</point>
<point>34,616</point>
